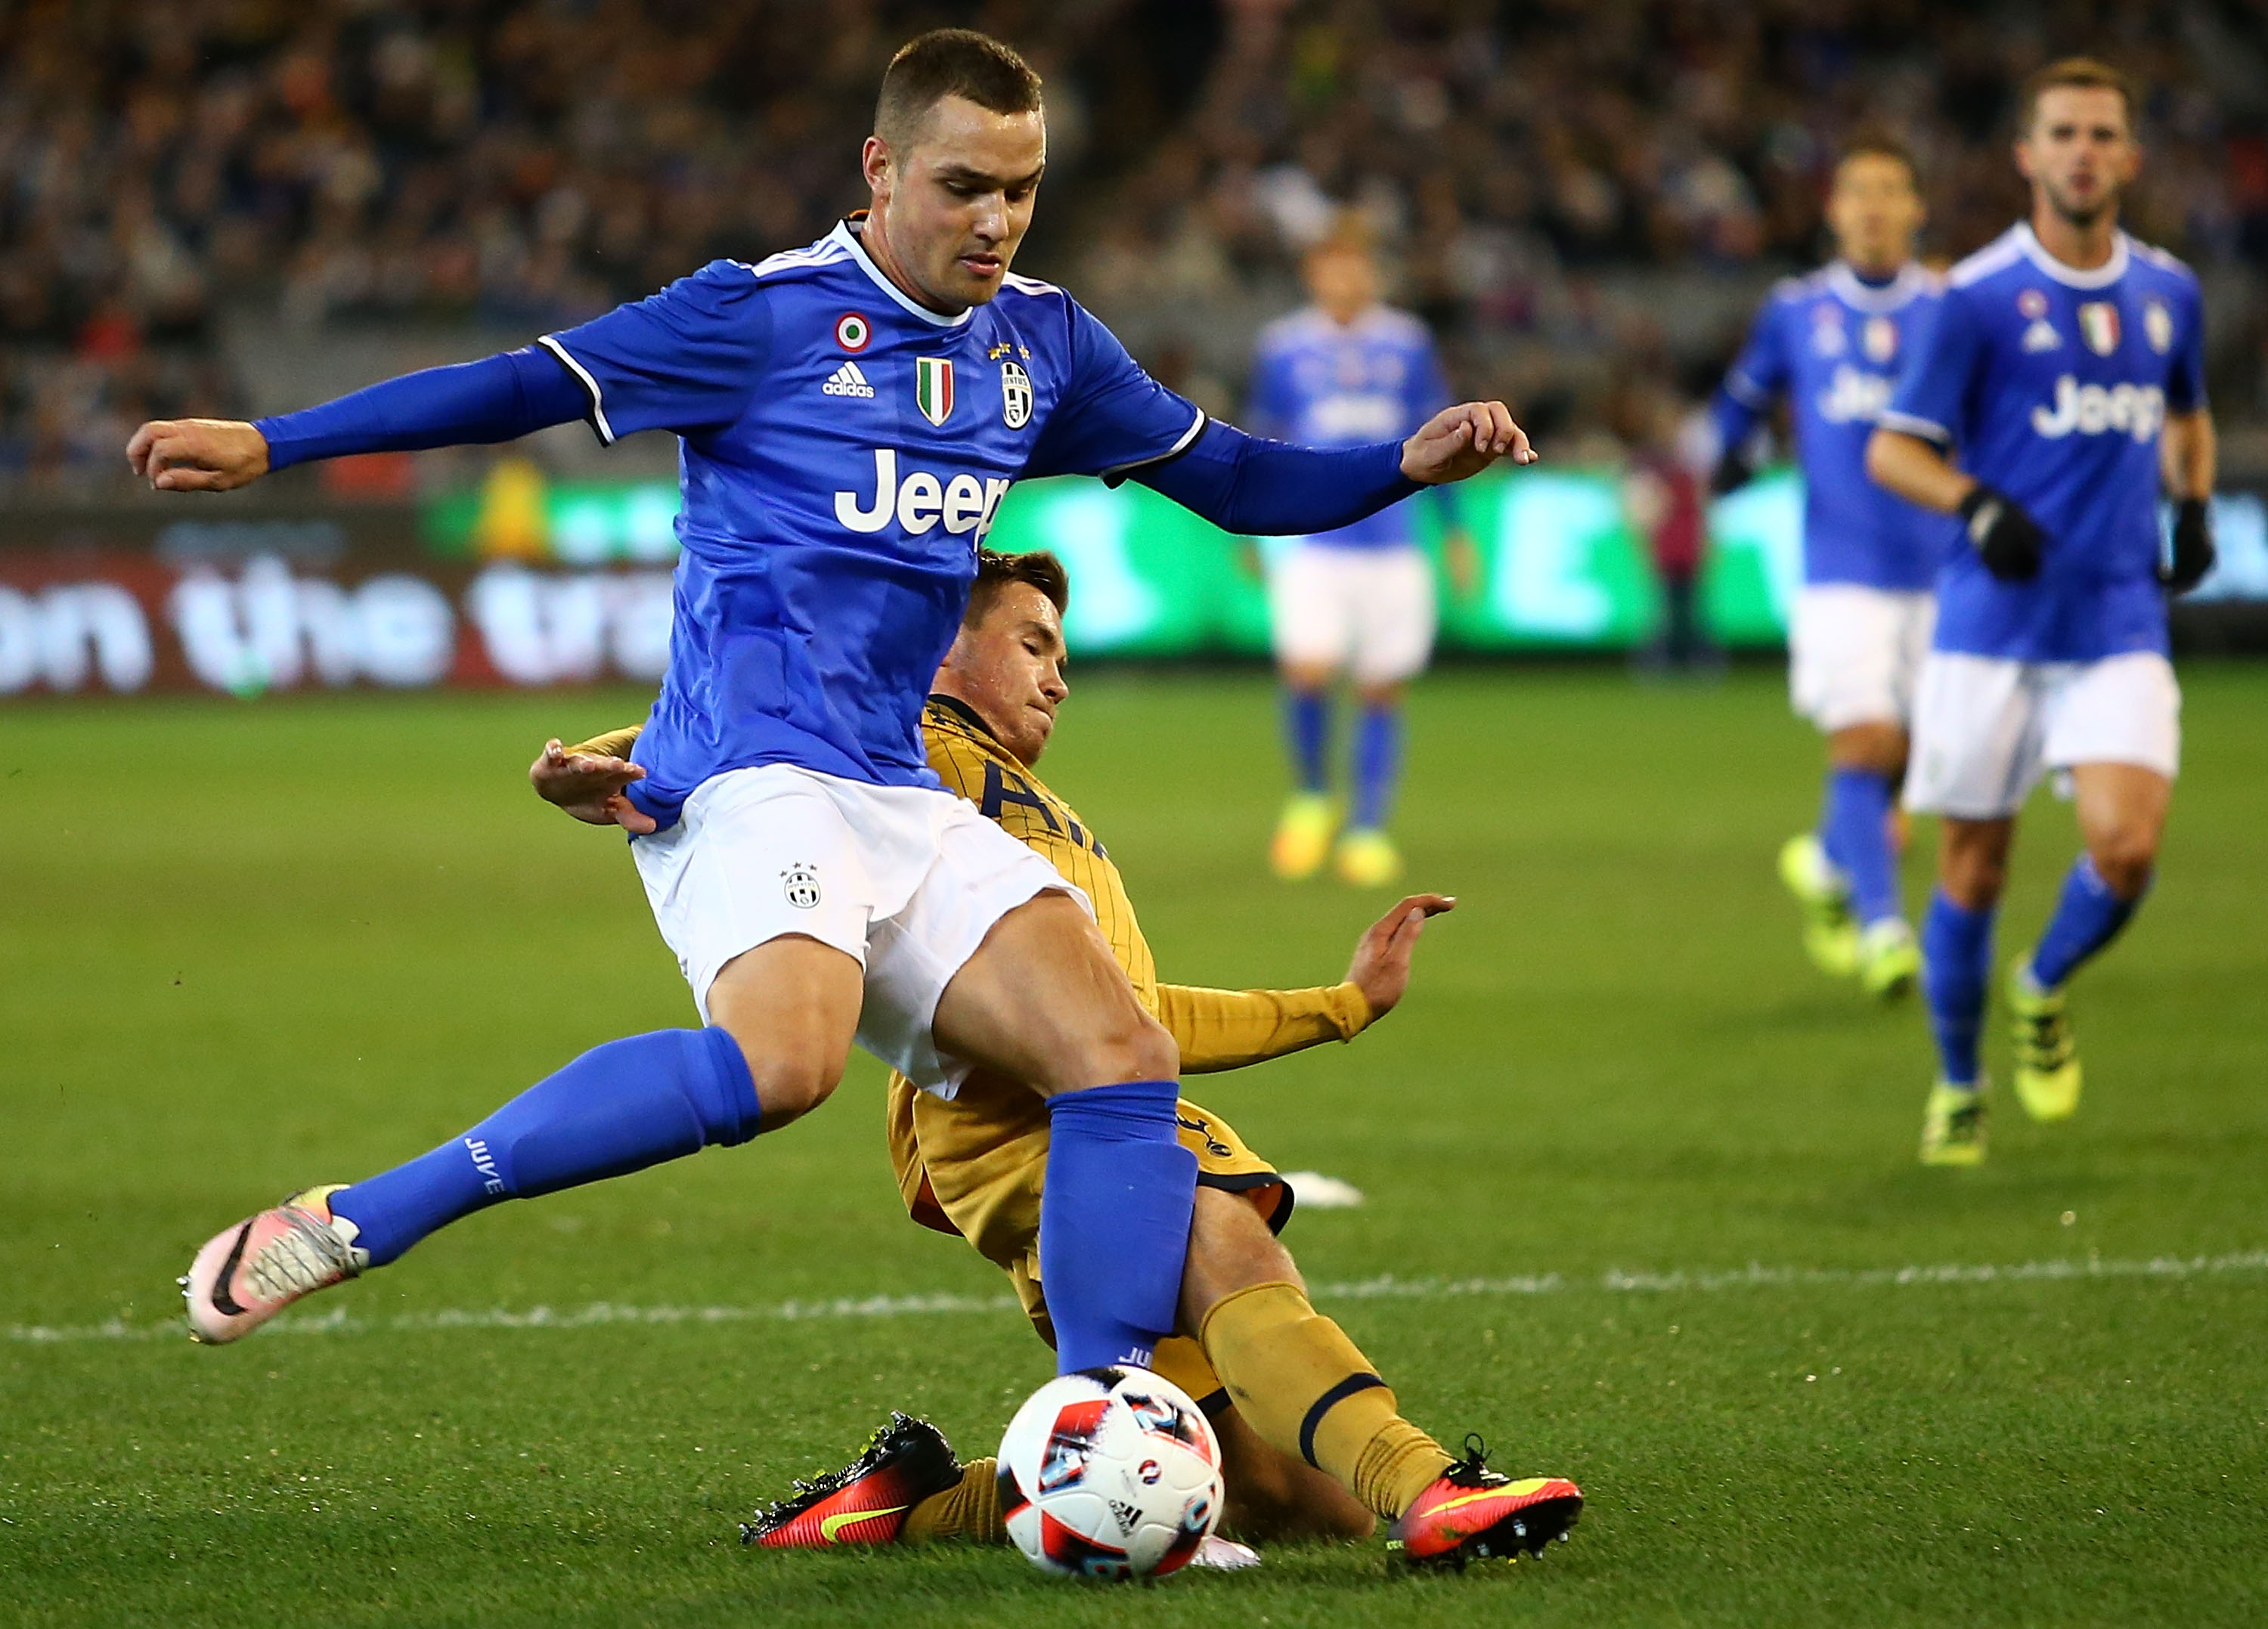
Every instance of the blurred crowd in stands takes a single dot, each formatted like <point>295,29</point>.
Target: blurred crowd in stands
<point>168,170</point>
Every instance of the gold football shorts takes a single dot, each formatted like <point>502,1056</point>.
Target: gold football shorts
<point>974,1165</point>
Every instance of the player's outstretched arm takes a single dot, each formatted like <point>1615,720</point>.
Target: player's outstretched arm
<point>499,398</point>
<point>1260,488</point>
<point>589,784</point>
<point>1220,1029</point>
<point>2008,539</point>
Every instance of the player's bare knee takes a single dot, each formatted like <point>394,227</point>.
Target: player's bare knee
<point>789,1087</point>
<point>2125,857</point>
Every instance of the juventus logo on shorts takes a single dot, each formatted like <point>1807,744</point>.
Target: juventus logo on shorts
<point>801,883</point>
<point>1015,395</point>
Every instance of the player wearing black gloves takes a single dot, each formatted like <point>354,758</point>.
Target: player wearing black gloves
<point>2005,537</point>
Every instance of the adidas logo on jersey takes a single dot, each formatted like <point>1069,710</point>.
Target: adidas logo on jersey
<point>2136,410</point>
<point>847,381</point>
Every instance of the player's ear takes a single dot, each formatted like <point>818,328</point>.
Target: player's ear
<point>874,164</point>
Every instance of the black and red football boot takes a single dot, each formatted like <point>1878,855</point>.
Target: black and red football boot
<point>866,1502</point>
<point>1473,1514</point>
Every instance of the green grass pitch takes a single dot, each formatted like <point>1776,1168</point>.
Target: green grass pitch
<point>1643,1183</point>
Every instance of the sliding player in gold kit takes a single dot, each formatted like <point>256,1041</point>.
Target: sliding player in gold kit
<point>1312,1441</point>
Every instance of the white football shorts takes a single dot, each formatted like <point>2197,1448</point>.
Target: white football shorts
<point>1986,729</point>
<point>907,880</point>
<point>1853,653</point>
<point>1367,611</point>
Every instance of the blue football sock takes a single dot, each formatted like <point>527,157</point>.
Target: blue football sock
<point>617,1109</point>
<point>1854,829</point>
<point>1956,958</point>
<point>1377,765</point>
<point>1115,1222</point>
<point>2088,917</point>
<point>1307,732</point>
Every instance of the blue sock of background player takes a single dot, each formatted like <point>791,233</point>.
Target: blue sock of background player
<point>617,1109</point>
<point>2088,917</point>
<point>1308,733</point>
<point>1377,764</point>
<point>1854,829</point>
<point>1956,955</point>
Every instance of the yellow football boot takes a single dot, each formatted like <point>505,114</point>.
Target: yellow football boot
<point>1953,1126</point>
<point>2047,1058</point>
<point>1368,858</point>
<point>1889,961</point>
<point>1303,836</point>
<point>1830,937</point>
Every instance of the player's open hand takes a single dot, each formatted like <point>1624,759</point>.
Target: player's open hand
<point>1460,441</point>
<point>197,455</point>
<point>589,788</point>
<point>1381,955</point>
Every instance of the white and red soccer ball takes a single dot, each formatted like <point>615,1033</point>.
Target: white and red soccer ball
<point>1109,1473</point>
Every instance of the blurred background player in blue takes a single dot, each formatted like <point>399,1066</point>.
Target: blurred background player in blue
<point>1341,371</point>
<point>1832,344</point>
<point>2064,370</point>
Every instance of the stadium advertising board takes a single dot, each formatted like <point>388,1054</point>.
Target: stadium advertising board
<point>523,584</point>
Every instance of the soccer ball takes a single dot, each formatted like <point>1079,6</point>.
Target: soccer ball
<point>1109,1473</point>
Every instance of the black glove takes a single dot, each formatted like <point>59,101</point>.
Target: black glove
<point>2193,551</point>
<point>2004,536</point>
<point>1733,472</point>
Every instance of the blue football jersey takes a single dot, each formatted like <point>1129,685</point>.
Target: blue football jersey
<point>1378,378</point>
<point>843,452</point>
<point>1833,343</point>
<point>2053,385</point>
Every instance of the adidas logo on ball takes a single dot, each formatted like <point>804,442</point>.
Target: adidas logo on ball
<point>847,381</point>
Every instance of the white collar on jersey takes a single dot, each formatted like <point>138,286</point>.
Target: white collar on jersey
<point>1860,294</point>
<point>848,237</point>
<point>2071,277</point>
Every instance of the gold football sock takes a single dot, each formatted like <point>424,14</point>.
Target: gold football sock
<point>970,1510</point>
<point>1308,1392</point>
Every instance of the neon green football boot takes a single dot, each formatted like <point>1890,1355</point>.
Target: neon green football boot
<point>1368,858</point>
<point>1303,836</point>
<point>2047,1058</point>
<point>1889,961</point>
<point>1830,937</point>
<point>1953,1125</point>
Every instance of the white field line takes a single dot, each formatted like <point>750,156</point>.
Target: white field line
<point>1755,1276</point>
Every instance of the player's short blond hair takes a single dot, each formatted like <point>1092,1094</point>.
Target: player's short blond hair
<point>2082,73</point>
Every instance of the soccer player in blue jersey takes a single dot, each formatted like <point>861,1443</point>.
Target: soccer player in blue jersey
<point>849,415</point>
<point>2058,391</point>
<point>1357,599</point>
<point>1831,342</point>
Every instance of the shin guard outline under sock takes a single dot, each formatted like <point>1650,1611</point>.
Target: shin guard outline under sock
<point>2088,917</point>
<point>1307,1391</point>
<point>1115,1222</point>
